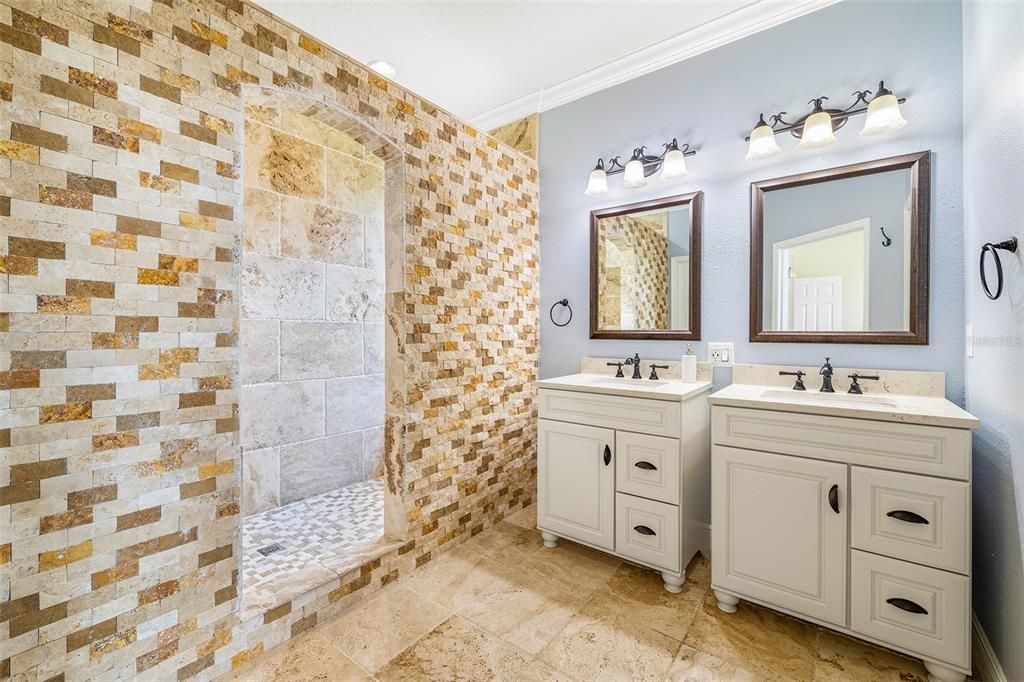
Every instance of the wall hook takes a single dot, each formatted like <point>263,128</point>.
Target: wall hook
<point>1007,245</point>
<point>886,241</point>
<point>551,313</point>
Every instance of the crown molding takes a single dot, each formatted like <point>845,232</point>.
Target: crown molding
<point>740,23</point>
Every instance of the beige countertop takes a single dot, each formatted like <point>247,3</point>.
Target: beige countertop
<point>677,391</point>
<point>908,409</point>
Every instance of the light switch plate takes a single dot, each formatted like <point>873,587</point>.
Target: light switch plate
<point>969,338</point>
<point>722,354</point>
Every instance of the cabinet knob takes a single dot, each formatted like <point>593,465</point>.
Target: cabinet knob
<point>906,605</point>
<point>644,530</point>
<point>647,466</point>
<point>607,455</point>
<point>907,516</point>
<point>833,498</point>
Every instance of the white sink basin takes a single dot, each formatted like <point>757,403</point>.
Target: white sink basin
<point>837,399</point>
<point>623,382</point>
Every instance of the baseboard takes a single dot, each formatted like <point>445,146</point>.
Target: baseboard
<point>985,661</point>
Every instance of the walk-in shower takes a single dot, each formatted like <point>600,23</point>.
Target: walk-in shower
<point>312,338</point>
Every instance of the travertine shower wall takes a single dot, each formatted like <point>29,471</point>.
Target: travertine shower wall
<point>120,217</point>
<point>312,309</point>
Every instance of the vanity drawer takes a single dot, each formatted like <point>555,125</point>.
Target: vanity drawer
<point>656,417</point>
<point>915,448</point>
<point>647,531</point>
<point>924,520</point>
<point>920,609</point>
<point>647,466</point>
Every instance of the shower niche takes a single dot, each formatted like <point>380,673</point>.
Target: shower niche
<point>320,374</point>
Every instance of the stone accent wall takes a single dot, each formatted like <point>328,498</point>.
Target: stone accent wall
<point>633,292</point>
<point>522,134</point>
<point>312,309</point>
<point>120,220</point>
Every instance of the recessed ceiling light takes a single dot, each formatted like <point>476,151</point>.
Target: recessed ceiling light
<point>382,67</point>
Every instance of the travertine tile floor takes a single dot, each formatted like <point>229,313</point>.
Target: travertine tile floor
<point>502,607</point>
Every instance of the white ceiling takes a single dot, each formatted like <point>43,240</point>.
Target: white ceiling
<point>493,62</point>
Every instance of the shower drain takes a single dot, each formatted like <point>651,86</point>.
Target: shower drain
<point>270,549</point>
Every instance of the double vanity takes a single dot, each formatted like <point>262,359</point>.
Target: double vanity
<point>848,510</point>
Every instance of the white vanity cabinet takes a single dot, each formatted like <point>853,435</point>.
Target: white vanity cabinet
<point>626,475</point>
<point>858,524</point>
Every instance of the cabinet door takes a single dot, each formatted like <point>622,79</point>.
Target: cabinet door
<point>576,482</point>
<point>776,534</point>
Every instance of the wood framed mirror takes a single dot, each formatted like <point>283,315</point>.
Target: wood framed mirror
<point>841,255</point>
<point>645,269</point>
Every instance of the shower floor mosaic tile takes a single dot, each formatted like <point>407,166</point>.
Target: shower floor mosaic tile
<point>320,538</point>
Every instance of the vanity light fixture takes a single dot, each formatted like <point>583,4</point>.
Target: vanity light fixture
<point>641,165</point>
<point>817,129</point>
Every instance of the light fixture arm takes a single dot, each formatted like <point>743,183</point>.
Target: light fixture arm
<point>839,116</point>
<point>651,163</point>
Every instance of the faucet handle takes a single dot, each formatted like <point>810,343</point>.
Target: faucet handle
<point>799,374</point>
<point>618,371</point>
<point>654,371</point>
<point>855,387</point>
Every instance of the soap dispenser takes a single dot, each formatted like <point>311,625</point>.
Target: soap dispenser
<point>689,366</point>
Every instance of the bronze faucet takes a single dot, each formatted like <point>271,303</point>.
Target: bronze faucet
<point>826,377</point>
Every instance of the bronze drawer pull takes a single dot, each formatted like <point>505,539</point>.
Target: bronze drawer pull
<point>907,516</point>
<point>907,605</point>
<point>644,530</point>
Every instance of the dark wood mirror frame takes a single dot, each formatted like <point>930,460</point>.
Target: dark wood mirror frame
<point>693,333</point>
<point>919,165</point>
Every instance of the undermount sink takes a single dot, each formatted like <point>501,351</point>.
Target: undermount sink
<point>622,381</point>
<point>838,399</point>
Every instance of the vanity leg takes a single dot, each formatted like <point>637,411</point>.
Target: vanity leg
<point>940,673</point>
<point>726,601</point>
<point>550,541</point>
<point>673,582</point>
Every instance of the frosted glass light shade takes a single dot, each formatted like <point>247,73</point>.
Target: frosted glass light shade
<point>634,174</point>
<point>817,131</point>
<point>883,115</point>
<point>674,165</point>
<point>598,183</point>
<point>762,143</point>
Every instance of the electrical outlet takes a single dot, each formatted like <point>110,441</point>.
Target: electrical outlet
<point>721,354</point>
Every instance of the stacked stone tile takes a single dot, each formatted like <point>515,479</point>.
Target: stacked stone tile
<point>120,212</point>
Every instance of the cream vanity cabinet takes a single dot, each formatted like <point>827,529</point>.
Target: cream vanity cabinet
<point>859,524</point>
<point>626,475</point>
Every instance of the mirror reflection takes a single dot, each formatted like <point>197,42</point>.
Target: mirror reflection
<point>837,256</point>
<point>645,267</point>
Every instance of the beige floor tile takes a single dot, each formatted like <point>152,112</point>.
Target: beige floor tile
<point>691,665</point>
<point>602,644</point>
<point>844,659</point>
<point>698,571</point>
<point>384,625</point>
<point>525,517</point>
<point>539,671</point>
<point>524,608</point>
<point>574,566</point>
<point>456,578</point>
<point>456,650</point>
<point>506,542</point>
<point>309,657</point>
<point>639,593</point>
<point>765,642</point>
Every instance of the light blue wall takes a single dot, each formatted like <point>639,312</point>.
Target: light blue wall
<point>994,210</point>
<point>712,101</point>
